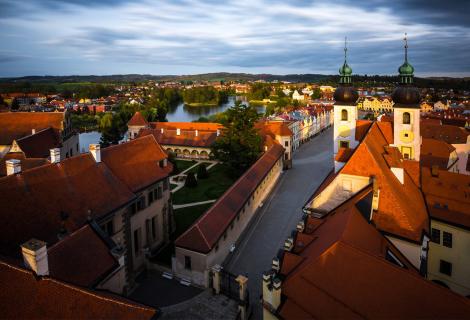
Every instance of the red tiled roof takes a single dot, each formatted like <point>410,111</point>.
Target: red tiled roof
<point>435,152</point>
<point>362,126</point>
<point>38,145</point>
<point>25,296</point>
<point>447,196</point>
<point>447,133</point>
<point>137,163</point>
<point>80,258</point>
<point>32,201</point>
<point>137,120</point>
<point>187,126</point>
<point>274,128</point>
<point>401,206</point>
<point>15,125</point>
<point>344,154</point>
<point>343,273</point>
<point>26,163</point>
<point>206,231</point>
<point>204,139</point>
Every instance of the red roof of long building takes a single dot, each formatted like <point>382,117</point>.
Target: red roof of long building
<point>26,296</point>
<point>206,231</point>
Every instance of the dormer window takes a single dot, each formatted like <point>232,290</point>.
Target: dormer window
<point>344,115</point>
<point>406,118</point>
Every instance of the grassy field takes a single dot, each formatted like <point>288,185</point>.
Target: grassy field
<point>207,189</point>
<point>184,164</point>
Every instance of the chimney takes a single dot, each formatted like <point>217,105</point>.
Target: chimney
<point>218,132</point>
<point>288,244</point>
<point>13,166</point>
<point>300,226</point>
<point>55,155</point>
<point>196,133</point>
<point>435,171</point>
<point>163,163</point>
<point>161,130</point>
<point>275,265</point>
<point>95,151</point>
<point>33,131</point>
<point>375,195</point>
<point>35,256</point>
<point>178,131</point>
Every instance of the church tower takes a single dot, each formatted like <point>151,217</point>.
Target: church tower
<point>345,109</point>
<point>406,112</point>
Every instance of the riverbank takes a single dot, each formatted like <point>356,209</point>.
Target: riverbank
<point>261,102</point>
<point>202,104</point>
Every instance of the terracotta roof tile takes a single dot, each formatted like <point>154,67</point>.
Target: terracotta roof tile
<point>435,152</point>
<point>38,145</point>
<point>137,120</point>
<point>15,125</point>
<point>206,231</point>
<point>344,273</point>
<point>344,154</point>
<point>447,133</point>
<point>447,196</point>
<point>137,163</point>
<point>401,206</point>
<point>204,139</point>
<point>362,126</point>
<point>187,126</point>
<point>80,258</point>
<point>32,201</point>
<point>25,296</point>
<point>26,163</point>
<point>274,128</point>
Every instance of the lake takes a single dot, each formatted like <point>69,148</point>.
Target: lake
<point>183,113</point>
<point>180,113</point>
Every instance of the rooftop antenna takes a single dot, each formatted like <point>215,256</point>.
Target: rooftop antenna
<point>345,47</point>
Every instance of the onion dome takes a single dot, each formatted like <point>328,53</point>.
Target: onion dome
<point>345,93</point>
<point>406,95</point>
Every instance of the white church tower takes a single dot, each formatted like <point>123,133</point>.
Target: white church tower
<point>406,112</point>
<point>345,111</point>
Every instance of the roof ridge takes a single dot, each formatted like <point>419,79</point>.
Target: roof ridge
<point>35,133</point>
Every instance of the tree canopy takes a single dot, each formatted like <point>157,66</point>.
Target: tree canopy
<point>240,144</point>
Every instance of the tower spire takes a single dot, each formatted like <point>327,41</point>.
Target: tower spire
<point>345,71</point>
<point>406,47</point>
<point>406,69</point>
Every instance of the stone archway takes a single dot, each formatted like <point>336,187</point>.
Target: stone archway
<point>194,154</point>
<point>204,155</point>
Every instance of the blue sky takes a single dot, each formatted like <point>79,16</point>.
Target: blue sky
<point>64,37</point>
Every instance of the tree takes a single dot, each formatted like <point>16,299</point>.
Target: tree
<point>191,181</point>
<point>240,144</point>
<point>202,171</point>
<point>112,129</point>
<point>316,93</point>
<point>15,105</point>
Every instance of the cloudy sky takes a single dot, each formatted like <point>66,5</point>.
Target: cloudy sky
<point>64,37</point>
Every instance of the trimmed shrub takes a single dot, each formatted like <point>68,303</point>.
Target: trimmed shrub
<point>202,171</point>
<point>191,181</point>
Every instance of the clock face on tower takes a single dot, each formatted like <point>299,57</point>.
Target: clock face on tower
<point>406,136</point>
<point>344,131</point>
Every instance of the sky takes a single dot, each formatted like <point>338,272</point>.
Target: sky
<point>102,37</point>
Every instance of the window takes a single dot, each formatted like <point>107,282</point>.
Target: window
<point>436,235</point>
<point>77,147</point>
<point>447,239</point>
<point>154,228</point>
<point>344,115</point>
<point>393,259</point>
<point>150,197</point>
<point>187,262</point>
<point>445,267</point>
<point>71,152</point>
<point>286,156</point>
<point>165,184</point>
<point>286,143</point>
<point>137,242</point>
<point>140,204</point>
<point>158,192</point>
<point>344,144</point>
<point>406,118</point>
<point>108,227</point>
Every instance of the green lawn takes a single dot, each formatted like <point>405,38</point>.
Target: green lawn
<point>184,164</point>
<point>207,189</point>
<point>184,218</point>
<point>195,169</point>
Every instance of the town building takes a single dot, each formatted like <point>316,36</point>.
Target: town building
<point>120,192</point>
<point>188,140</point>
<point>211,239</point>
<point>366,230</point>
<point>33,134</point>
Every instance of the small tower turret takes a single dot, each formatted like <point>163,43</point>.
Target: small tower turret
<point>345,110</point>
<point>406,112</point>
